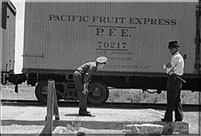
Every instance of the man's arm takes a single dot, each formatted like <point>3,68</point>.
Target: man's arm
<point>86,88</point>
<point>86,79</point>
<point>172,66</point>
<point>88,74</point>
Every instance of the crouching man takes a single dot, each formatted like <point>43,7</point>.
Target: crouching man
<point>82,77</point>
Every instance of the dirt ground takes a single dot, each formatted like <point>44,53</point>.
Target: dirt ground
<point>27,93</point>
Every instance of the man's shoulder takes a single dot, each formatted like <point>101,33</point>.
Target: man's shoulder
<point>179,58</point>
<point>178,55</point>
<point>89,65</point>
<point>92,64</point>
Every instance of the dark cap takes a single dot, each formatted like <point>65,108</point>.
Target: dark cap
<point>173,44</point>
<point>101,60</point>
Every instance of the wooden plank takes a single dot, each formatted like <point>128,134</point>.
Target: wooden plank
<point>50,109</point>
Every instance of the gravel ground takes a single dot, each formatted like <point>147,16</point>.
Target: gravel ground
<point>25,92</point>
<point>116,95</point>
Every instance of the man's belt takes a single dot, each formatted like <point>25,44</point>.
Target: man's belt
<point>179,77</point>
<point>79,71</point>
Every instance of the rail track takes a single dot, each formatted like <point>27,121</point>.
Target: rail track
<point>157,106</point>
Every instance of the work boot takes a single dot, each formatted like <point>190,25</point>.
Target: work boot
<point>85,113</point>
<point>165,120</point>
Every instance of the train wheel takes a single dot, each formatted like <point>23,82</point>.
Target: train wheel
<point>41,91</point>
<point>98,93</point>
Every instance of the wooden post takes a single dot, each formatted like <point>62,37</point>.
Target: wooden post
<point>55,103</point>
<point>52,108</point>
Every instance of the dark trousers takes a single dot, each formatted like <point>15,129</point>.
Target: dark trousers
<point>174,85</point>
<point>79,85</point>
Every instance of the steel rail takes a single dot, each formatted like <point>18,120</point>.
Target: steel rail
<point>157,106</point>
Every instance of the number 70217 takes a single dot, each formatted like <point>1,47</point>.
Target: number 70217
<point>112,45</point>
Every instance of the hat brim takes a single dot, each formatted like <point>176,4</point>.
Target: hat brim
<point>173,47</point>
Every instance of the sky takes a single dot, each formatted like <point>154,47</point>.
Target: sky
<point>19,5</point>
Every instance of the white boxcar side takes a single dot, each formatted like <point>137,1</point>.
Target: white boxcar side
<point>133,35</point>
<point>0,45</point>
<point>7,41</point>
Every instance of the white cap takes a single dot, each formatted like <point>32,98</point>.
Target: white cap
<point>101,59</point>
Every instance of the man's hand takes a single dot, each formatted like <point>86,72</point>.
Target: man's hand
<point>85,91</point>
<point>169,65</point>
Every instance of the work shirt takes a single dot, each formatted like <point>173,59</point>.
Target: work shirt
<point>177,63</point>
<point>87,70</point>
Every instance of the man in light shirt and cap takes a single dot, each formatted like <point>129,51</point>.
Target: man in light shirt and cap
<point>82,77</point>
<point>174,69</point>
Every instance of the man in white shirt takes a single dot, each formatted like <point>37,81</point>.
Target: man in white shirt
<point>174,69</point>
